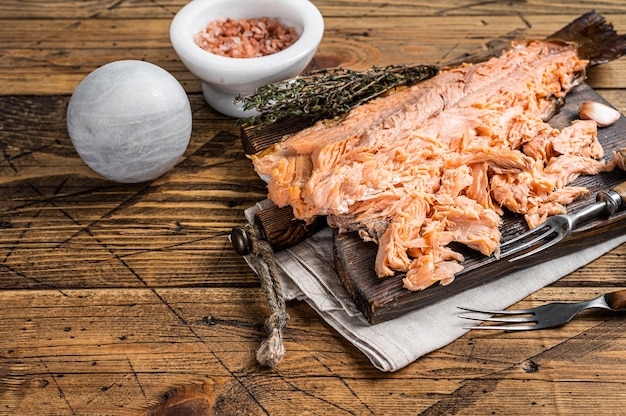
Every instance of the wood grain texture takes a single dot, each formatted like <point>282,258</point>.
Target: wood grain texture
<point>123,299</point>
<point>51,54</point>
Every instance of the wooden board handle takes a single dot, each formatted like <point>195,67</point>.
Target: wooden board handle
<point>282,230</point>
<point>277,226</point>
<point>255,140</point>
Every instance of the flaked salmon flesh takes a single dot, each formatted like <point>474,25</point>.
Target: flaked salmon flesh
<point>439,162</point>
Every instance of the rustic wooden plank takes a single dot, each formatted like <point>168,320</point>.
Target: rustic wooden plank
<point>38,49</point>
<point>360,9</point>
<point>173,231</point>
<point>115,299</point>
<point>146,9</point>
<point>110,351</point>
<point>86,351</point>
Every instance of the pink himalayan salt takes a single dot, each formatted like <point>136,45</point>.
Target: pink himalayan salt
<point>245,38</point>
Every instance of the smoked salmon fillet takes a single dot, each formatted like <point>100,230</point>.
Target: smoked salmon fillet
<point>441,161</point>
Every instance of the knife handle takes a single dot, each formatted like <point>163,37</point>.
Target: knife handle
<point>278,227</point>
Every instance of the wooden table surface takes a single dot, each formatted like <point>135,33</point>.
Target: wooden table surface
<point>116,299</point>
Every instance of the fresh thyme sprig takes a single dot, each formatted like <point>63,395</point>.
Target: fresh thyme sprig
<point>327,93</point>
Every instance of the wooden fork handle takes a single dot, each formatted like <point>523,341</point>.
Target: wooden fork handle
<point>616,300</point>
<point>621,190</point>
<point>608,202</point>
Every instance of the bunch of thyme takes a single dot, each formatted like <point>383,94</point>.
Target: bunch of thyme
<point>327,93</point>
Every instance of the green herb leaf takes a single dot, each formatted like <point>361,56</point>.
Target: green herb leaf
<point>327,93</point>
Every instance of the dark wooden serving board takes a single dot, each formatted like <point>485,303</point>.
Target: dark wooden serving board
<point>384,299</point>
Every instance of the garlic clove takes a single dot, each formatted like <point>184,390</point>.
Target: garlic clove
<point>620,158</point>
<point>602,114</point>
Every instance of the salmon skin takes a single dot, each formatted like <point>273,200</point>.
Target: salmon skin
<point>439,162</point>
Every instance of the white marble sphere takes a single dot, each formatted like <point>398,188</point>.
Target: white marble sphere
<point>130,121</point>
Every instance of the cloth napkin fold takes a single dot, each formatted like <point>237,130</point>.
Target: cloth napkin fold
<point>308,274</point>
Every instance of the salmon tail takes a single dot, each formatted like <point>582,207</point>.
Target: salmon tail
<point>597,41</point>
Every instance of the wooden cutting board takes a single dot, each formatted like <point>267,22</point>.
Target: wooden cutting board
<point>384,299</point>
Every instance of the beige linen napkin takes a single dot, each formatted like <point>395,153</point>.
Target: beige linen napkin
<point>308,274</point>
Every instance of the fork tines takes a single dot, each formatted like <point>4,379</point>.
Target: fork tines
<point>525,245</point>
<point>524,316</point>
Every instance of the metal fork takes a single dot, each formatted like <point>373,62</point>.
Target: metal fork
<point>557,227</point>
<point>546,316</point>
